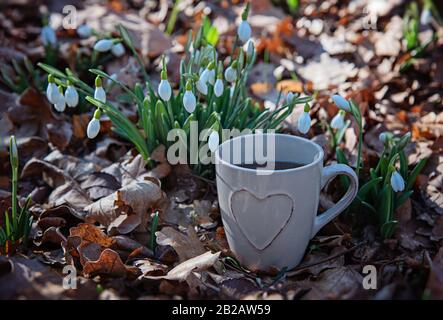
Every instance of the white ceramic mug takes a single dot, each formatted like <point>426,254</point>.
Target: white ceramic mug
<point>269,218</point>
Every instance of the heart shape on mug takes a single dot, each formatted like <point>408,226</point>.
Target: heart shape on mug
<point>256,217</point>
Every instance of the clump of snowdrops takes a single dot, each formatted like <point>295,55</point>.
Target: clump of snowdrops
<point>211,91</point>
<point>386,187</point>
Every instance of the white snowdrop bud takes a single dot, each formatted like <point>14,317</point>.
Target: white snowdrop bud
<point>103,45</point>
<point>48,36</point>
<point>118,49</point>
<point>250,48</point>
<point>218,87</point>
<point>189,100</point>
<point>84,31</point>
<point>93,128</point>
<point>425,17</point>
<point>341,102</point>
<point>71,96</point>
<point>213,141</point>
<point>164,88</point>
<point>52,90</point>
<point>99,93</point>
<point>202,87</point>
<point>244,31</point>
<point>211,76</point>
<point>231,72</point>
<point>94,125</point>
<point>385,136</point>
<point>60,103</point>
<point>338,122</point>
<point>204,76</point>
<point>397,182</point>
<point>304,121</point>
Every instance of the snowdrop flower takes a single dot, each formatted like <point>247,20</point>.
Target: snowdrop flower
<point>218,87</point>
<point>338,122</point>
<point>211,77</point>
<point>71,96</point>
<point>385,136</point>
<point>118,49</point>
<point>52,90</point>
<point>202,86</point>
<point>213,141</point>
<point>341,102</point>
<point>244,31</point>
<point>99,93</point>
<point>84,31</point>
<point>164,88</point>
<point>103,45</point>
<point>425,17</point>
<point>208,74</point>
<point>304,121</point>
<point>48,36</point>
<point>250,48</point>
<point>231,72</point>
<point>289,97</point>
<point>94,125</point>
<point>189,100</point>
<point>60,103</point>
<point>397,182</point>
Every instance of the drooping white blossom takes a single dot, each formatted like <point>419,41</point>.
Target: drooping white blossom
<point>304,121</point>
<point>231,73</point>
<point>244,31</point>
<point>164,89</point>
<point>94,125</point>
<point>385,136</point>
<point>60,103</point>
<point>211,76</point>
<point>338,122</point>
<point>213,141</point>
<point>93,128</point>
<point>84,31</point>
<point>202,87</point>
<point>189,101</point>
<point>426,16</point>
<point>397,182</point>
<point>218,87</point>
<point>99,93</point>
<point>103,45</point>
<point>250,48</point>
<point>52,90</point>
<point>341,102</point>
<point>71,96</point>
<point>48,36</point>
<point>118,49</point>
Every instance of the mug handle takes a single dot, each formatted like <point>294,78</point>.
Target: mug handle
<point>329,173</point>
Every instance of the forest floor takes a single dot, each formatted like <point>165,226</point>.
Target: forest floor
<point>88,214</point>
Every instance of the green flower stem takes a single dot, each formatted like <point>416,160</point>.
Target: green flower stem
<point>360,144</point>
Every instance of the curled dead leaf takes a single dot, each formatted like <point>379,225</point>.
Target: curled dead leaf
<point>184,269</point>
<point>126,209</point>
<point>187,246</point>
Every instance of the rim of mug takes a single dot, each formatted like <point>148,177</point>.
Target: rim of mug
<point>318,157</point>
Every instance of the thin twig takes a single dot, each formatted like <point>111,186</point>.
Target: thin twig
<point>335,256</point>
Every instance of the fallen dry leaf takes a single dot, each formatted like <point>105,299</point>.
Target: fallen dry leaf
<point>187,246</point>
<point>126,209</point>
<point>110,264</point>
<point>183,270</point>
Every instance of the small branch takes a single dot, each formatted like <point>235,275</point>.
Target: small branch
<point>335,256</point>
